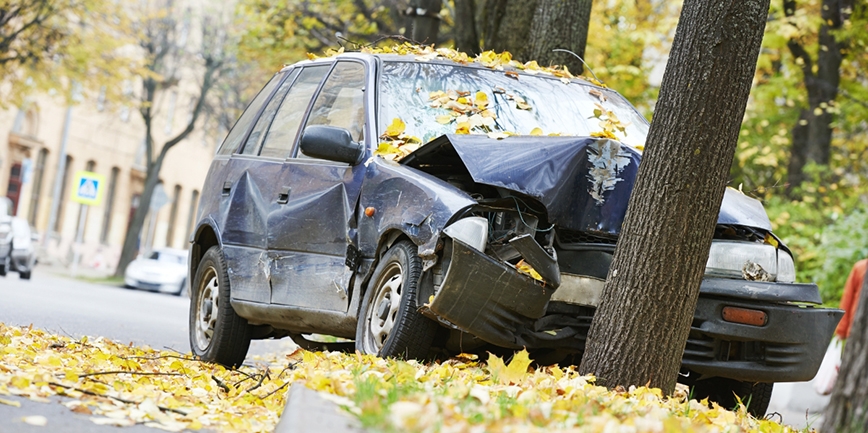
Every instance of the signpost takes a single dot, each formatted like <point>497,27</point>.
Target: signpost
<point>87,190</point>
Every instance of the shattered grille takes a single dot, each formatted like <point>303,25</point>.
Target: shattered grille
<point>567,237</point>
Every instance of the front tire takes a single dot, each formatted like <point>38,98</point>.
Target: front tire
<point>389,325</point>
<point>755,395</point>
<point>24,275</point>
<point>217,333</point>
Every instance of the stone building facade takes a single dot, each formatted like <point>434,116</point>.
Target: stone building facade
<point>110,143</point>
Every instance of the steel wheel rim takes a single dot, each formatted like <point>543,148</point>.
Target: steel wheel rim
<point>387,299</point>
<point>207,308</point>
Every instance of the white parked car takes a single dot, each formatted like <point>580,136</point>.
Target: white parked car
<point>163,270</point>
<point>22,257</point>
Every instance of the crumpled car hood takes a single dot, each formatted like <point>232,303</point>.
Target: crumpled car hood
<point>583,182</point>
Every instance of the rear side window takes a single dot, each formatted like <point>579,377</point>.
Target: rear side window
<point>254,140</point>
<point>284,128</point>
<point>243,123</point>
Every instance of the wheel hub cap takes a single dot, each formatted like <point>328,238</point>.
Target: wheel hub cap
<point>207,309</point>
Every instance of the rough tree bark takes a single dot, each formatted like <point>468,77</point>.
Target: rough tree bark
<point>531,29</point>
<point>423,20</point>
<point>506,25</point>
<point>466,36</point>
<point>640,329</point>
<point>848,407</point>
<point>559,24</point>
<point>812,134</point>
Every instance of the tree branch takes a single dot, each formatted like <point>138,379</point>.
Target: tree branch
<point>794,46</point>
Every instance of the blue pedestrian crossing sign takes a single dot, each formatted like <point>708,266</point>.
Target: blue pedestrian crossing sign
<point>87,188</point>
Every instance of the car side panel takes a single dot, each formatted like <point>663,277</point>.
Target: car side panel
<point>248,194</point>
<point>404,199</point>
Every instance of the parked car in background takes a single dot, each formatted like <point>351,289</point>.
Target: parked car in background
<point>5,234</point>
<point>22,257</point>
<point>163,270</point>
<point>423,205</point>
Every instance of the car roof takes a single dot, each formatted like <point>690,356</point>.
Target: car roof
<point>389,57</point>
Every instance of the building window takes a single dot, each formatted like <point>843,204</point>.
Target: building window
<point>36,194</point>
<point>63,190</point>
<point>173,215</point>
<point>191,216</point>
<point>109,206</point>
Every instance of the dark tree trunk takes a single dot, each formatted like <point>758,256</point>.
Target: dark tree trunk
<point>423,21</point>
<point>848,408</point>
<point>466,36</point>
<point>531,29</point>
<point>559,24</point>
<point>812,134</point>
<point>640,329</point>
<point>506,25</point>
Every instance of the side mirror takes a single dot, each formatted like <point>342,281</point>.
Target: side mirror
<point>331,143</point>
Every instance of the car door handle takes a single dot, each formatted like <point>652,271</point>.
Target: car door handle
<point>283,196</point>
<point>227,187</point>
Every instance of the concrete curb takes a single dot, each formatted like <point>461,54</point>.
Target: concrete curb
<point>307,411</point>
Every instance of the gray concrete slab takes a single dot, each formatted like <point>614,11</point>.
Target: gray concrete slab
<point>307,411</point>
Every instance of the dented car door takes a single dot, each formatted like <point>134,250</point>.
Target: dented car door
<point>309,233</point>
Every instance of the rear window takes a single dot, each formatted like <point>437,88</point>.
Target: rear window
<point>237,133</point>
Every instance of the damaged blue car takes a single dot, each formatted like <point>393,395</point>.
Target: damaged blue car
<point>421,206</point>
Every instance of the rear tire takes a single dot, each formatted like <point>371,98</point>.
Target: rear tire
<point>389,325</point>
<point>755,395</point>
<point>24,275</point>
<point>217,333</point>
<point>4,266</point>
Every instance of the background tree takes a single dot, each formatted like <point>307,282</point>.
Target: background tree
<point>164,35</point>
<point>532,29</point>
<point>423,20</point>
<point>51,44</point>
<point>847,411</point>
<point>640,328</point>
<point>812,133</point>
<point>284,31</point>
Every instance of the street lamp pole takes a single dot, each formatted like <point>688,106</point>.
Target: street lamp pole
<point>58,180</point>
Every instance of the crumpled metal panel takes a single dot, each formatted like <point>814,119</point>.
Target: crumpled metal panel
<point>584,182</point>
<point>408,200</point>
<point>739,209</point>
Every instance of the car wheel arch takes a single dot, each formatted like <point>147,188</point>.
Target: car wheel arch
<point>206,237</point>
<point>387,239</point>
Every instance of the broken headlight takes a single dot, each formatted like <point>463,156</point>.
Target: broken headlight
<point>729,259</point>
<point>786,267</point>
<point>472,231</point>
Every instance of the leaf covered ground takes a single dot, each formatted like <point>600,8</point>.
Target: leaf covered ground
<point>122,385</point>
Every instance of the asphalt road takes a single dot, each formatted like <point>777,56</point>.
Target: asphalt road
<point>77,308</point>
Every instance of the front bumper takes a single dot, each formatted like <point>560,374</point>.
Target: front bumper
<point>494,302</point>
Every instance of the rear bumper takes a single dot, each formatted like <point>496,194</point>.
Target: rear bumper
<point>494,302</point>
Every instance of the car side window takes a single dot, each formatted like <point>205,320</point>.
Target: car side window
<point>341,101</point>
<point>240,129</point>
<point>284,127</point>
<point>254,140</point>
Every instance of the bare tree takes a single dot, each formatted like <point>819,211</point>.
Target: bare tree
<point>639,332</point>
<point>168,63</point>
